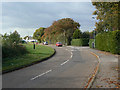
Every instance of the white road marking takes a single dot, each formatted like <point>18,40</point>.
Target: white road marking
<point>65,62</point>
<point>70,52</point>
<point>71,55</point>
<point>41,75</point>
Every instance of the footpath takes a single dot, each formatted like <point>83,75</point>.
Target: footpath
<point>108,72</point>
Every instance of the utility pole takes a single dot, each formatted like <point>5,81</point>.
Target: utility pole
<point>94,32</point>
<point>65,37</point>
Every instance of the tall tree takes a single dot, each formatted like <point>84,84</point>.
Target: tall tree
<point>64,27</point>
<point>85,34</point>
<point>77,34</point>
<point>107,16</point>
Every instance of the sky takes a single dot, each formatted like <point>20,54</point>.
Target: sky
<point>26,17</point>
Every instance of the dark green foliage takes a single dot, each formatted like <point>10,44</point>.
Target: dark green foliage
<point>85,41</point>
<point>109,41</point>
<point>85,35</point>
<point>80,42</point>
<point>77,34</point>
<point>13,51</point>
<point>10,45</point>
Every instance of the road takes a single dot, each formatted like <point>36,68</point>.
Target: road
<point>70,67</point>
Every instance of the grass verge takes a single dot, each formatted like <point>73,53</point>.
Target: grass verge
<point>34,56</point>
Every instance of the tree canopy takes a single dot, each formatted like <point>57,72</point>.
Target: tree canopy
<point>39,33</point>
<point>77,34</point>
<point>63,28</point>
<point>107,16</point>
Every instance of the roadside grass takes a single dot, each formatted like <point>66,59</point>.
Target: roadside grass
<point>40,53</point>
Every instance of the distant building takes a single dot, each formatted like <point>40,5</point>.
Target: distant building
<point>30,39</point>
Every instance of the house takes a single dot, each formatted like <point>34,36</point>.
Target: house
<point>30,39</point>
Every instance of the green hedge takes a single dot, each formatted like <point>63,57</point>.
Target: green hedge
<point>90,43</point>
<point>80,42</point>
<point>108,41</point>
<point>85,41</point>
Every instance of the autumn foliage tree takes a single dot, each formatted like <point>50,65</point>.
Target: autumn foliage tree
<point>61,30</point>
<point>107,16</point>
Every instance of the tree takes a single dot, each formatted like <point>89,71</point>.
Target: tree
<point>26,37</point>
<point>11,46</point>
<point>77,34</point>
<point>107,16</point>
<point>64,27</point>
<point>85,34</point>
<point>11,40</point>
<point>38,34</point>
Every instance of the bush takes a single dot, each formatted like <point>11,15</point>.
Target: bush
<point>11,46</point>
<point>13,51</point>
<point>80,42</point>
<point>108,41</point>
<point>76,42</point>
<point>85,41</point>
<point>90,43</point>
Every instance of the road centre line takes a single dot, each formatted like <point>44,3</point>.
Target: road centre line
<point>64,62</point>
<point>41,75</point>
<point>71,55</point>
<point>70,52</point>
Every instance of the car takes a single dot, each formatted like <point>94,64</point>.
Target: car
<point>45,43</point>
<point>59,44</point>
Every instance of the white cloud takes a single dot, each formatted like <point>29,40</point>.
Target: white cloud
<point>22,31</point>
<point>26,17</point>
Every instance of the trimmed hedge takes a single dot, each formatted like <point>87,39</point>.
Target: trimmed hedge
<point>108,41</point>
<point>90,43</point>
<point>80,42</point>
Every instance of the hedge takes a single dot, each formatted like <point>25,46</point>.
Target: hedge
<point>80,42</point>
<point>90,43</point>
<point>108,41</point>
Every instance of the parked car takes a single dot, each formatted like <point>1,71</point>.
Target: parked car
<point>59,44</point>
<point>45,43</point>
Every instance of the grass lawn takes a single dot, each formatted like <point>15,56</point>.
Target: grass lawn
<point>41,52</point>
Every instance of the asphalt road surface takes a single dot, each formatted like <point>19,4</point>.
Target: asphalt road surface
<point>70,67</point>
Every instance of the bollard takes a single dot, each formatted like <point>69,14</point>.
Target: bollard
<point>34,46</point>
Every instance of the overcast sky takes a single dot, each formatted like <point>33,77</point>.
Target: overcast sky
<point>26,17</point>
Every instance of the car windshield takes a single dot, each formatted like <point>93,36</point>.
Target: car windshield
<point>59,43</point>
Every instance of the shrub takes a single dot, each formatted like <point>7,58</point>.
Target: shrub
<point>13,51</point>
<point>90,43</point>
<point>11,46</point>
<point>76,42</point>
<point>80,42</point>
<point>85,41</point>
<point>108,41</point>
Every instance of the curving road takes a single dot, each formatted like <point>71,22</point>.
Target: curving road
<point>70,67</point>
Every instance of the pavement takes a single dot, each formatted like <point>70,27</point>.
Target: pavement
<point>107,76</point>
<point>70,67</point>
